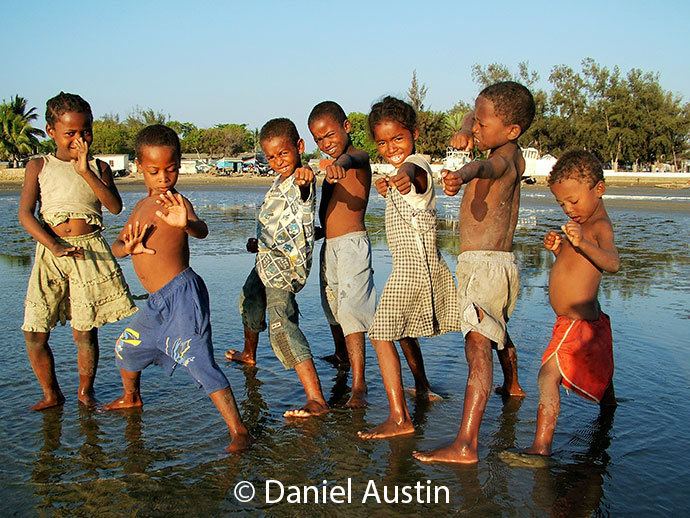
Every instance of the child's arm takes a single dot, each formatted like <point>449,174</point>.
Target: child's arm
<point>463,139</point>
<point>409,174</point>
<point>180,214</point>
<point>304,178</point>
<point>602,251</point>
<point>492,168</point>
<point>339,168</point>
<point>27,213</point>
<point>103,187</point>
<point>552,241</point>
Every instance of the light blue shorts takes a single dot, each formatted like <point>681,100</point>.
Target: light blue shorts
<point>348,295</point>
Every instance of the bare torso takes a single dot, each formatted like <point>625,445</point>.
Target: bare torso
<point>344,204</point>
<point>574,280</point>
<point>171,246</point>
<point>73,227</point>
<point>489,208</point>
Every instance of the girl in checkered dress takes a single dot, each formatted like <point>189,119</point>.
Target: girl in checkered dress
<point>419,298</point>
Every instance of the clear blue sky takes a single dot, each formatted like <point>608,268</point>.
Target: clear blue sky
<point>210,62</point>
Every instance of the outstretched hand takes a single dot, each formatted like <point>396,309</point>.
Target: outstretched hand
<point>81,164</point>
<point>335,173</point>
<point>552,241</point>
<point>451,181</point>
<point>382,186</point>
<point>573,231</point>
<point>176,215</point>
<point>133,239</point>
<point>303,176</point>
<point>462,140</point>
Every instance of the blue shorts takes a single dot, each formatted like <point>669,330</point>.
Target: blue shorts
<point>173,329</point>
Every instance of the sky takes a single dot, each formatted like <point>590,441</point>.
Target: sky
<point>211,62</point>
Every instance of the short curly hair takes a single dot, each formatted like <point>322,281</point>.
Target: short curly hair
<point>513,103</point>
<point>158,135</point>
<point>280,127</point>
<point>327,109</point>
<point>392,108</point>
<point>65,102</point>
<point>577,164</point>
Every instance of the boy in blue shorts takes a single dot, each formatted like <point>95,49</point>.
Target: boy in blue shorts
<point>173,329</point>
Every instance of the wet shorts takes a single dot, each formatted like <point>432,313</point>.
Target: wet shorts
<point>348,296</point>
<point>584,355</point>
<point>287,340</point>
<point>174,329</point>
<point>488,280</point>
<point>89,292</point>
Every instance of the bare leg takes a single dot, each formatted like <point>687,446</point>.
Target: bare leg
<point>87,363</point>
<point>464,448</point>
<point>131,397</point>
<point>508,359</point>
<point>248,355</point>
<point>316,404</point>
<point>398,422</point>
<point>340,357</point>
<point>225,403</point>
<point>413,355</point>
<point>43,365</point>
<point>549,407</point>
<point>355,351</point>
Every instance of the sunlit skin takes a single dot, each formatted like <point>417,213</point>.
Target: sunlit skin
<point>283,156</point>
<point>72,134</point>
<point>156,237</point>
<point>395,143</point>
<point>488,217</point>
<point>344,198</point>
<point>583,250</point>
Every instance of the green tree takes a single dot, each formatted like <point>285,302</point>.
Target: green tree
<point>416,93</point>
<point>360,134</point>
<point>18,138</point>
<point>434,133</point>
<point>111,136</point>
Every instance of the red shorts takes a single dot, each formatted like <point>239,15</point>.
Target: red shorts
<point>584,354</point>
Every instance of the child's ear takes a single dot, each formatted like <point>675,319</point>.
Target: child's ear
<point>50,131</point>
<point>300,146</point>
<point>514,131</point>
<point>600,188</point>
<point>347,126</point>
<point>415,134</point>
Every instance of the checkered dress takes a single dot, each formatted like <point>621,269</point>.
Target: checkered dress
<point>420,297</point>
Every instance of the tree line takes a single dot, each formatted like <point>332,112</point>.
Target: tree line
<point>626,119</point>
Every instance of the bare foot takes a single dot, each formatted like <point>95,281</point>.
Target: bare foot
<point>357,399</point>
<point>450,453</point>
<point>515,391</point>
<point>239,443</point>
<point>525,459</point>
<point>125,401</point>
<point>88,399</point>
<point>311,409</point>
<point>337,361</point>
<point>233,355</point>
<point>423,395</point>
<point>388,428</point>
<point>49,402</point>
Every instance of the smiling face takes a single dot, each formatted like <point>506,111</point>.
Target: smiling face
<point>160,167</point>
<point>330,136</point>
<point>282,155</point>
<point>489,130</point>
<point>394,141</point>
<point>68,128</point>
<point>577,199</point>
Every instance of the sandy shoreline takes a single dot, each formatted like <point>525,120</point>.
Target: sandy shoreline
<point>11,179</point>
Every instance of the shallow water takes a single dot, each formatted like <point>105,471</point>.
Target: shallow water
<point>168,459</point>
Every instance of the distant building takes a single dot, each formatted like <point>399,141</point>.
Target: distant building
<point>119,164</point>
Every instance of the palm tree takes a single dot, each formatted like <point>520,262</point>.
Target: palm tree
<point>18,138</point>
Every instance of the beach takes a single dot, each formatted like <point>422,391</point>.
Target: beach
<point>169,459</point>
